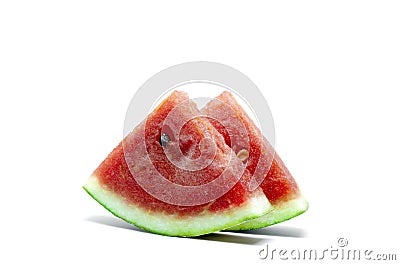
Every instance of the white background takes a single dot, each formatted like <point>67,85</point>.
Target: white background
<point>329,70</point>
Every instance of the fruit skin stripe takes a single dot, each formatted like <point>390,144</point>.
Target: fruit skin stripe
<point>282,211</point>
<point>172,225</point>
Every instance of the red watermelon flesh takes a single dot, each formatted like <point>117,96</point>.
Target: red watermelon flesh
<point>271,173</point>
<point>149,202</point>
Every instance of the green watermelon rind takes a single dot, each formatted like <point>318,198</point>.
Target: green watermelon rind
<point>169,225</point>
<point>282,212</point>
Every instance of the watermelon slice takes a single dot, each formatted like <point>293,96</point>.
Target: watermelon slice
<point>128,182</point>
<point>261,161</point>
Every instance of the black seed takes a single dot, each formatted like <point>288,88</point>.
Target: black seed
<point>164,139</point>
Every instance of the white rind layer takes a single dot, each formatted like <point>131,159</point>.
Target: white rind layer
<point>174,225</point>
<point>282,212</point>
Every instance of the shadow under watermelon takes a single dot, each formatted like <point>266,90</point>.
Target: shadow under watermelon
<point>277,230</point>
<point>225,237</point>
<point>114,222</point>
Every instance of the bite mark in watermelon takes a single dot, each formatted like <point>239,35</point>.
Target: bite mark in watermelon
<point>262,162</point>
<point>113,185</point>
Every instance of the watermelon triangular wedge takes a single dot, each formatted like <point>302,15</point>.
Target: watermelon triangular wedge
<point>144,151</point>
<point>261,161</point>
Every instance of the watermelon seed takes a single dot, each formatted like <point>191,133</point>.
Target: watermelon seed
<point>164,139</point>
<point>243,154</point>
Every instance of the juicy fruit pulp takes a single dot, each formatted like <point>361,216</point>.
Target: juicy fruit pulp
<point>124,181</point>
<point>261,161</point>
